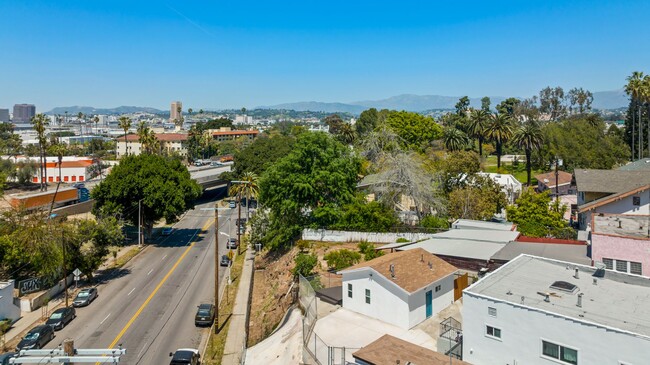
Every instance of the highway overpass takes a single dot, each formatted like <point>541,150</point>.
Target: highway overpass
<point>209,177</point>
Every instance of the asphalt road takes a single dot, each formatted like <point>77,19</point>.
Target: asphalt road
<point>149,306</point>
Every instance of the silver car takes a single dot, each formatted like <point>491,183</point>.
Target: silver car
<point>85,297</point>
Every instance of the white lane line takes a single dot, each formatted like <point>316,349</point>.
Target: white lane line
<point>130,292</point>
<point>141,351</point>
<point>163,257</point>
<point>150,271</point>
<point>102,322</point>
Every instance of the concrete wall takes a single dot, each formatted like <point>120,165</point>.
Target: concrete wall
<point>441,300</point>
<point>522,331</point>
<point>621,248</point>
<point>345,236</point>
<point>8,310</point>
<point>33,303</point>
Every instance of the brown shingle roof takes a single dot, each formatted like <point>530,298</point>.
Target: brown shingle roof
<point>610,181</point>
<point>563,178</point>
<point>412,270</point>
<point>388,349</point>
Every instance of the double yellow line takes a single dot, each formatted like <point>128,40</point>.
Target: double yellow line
<point>153,293</point>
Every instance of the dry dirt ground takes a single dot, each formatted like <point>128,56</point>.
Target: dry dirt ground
<point>273,286</point>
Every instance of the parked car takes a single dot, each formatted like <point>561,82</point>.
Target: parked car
<point>167,231</point>
<point>61,317</point>
<point>85,297</point>
<point>232,243</point>
<point>4,358</point>
<point>225,261</point>
<point>240,221</point>
<point>185,357</point>
<point>232,205</point>
<point>36,338</point>
<point>204,315</point>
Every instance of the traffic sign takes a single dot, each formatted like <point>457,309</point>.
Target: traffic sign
<point>77,272</point>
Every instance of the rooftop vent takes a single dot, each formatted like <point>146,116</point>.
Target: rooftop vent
<point>595,281</point>
<point>391,268</point>
<point>430,266</point>
<point>564,286</point>
<point>579,304</point>
<point>577,275</point>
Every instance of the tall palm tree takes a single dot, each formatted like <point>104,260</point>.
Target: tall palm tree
<point>58,150</point>
<point>499,130</point>
<point>179,121</point>
<point>634,88</point>
<point>347,134</point>
<point>147,138</point>
<point>249,187</point>
<point>528,137</point>
<point>125,123</point>
<point>646,99</point>
<point>477,127</point>
<point>96,120</point>
<point>455,139</point>
<point>39,123</point>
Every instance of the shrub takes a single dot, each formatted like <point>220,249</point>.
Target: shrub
<point>368,250</point>
<point>434,222</point>
<point>341,259</point>
<point>402,240</point>
<point>305,264</point>
<point>303,245</point>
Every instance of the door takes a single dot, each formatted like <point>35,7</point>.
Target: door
<point>460,283</point>
<point>429,302</point>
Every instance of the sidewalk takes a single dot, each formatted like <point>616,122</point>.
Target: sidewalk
<point>236,339</point>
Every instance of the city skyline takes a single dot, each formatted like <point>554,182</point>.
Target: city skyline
<point>254,54</point>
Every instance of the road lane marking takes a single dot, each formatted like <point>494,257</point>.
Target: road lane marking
<point>160,284</point>
<point>102,322</point>
<point>150,271</point>
<point>163,257</point>
<point>130,292</point>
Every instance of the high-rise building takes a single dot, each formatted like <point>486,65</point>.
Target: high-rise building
<point>175,114</point>
<point>4,115</point>
<point>24,112</point>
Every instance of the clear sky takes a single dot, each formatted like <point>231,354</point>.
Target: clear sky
<point>217,54</point>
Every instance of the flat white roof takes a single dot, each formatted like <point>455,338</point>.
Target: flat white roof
<point>473,224</point>
<point>618,301</point>
<point>479,235</point>
<point>481,250</point>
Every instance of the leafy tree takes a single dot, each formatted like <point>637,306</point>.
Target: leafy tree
<point>536,216</point>
<point>527,109</point>
<point>334,122</point>
<point>163,184</point>
<point>10,143</point>
<point>479,199</point>
<point>346,134</point>
<point>258,156</point>
<point>462,106</point>
<point>529,138</point>
<point>552,102</point>
<point>318,176</point>
<point>215,124</point>
<point>89,241</point>
<point>500,131</point>
<point>580,99</point>
<point>455,139</point>
<point>433,222</point>
<point>305,264</point>
<point>368,121</point>
<point>415,130</point>
<point>340,259</point>
<point>368,251</point>
<point>508,107</point>
<point>485,104</point>
<point>456,167</point>
<point>361,215</point>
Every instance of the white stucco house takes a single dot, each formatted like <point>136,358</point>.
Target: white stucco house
<point>534,310</point>
<point>8,310</point>
<point>401,288</point>
<point>509,185</point>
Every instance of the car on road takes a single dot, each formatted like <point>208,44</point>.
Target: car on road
<point>4,358</point>
<point>36,338</point>
<point>167,231</point>
<point>232,243</point>
<point>225,261</point>
<point>204,315</point>
<point>185,357</point>
<point>61,317</point>
<point>85,297</point>
<point>232,205</point>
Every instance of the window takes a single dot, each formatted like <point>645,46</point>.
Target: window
<point>367,296</point>
<point>609,264</point>
<point>349,290</point>
<point>438,287</point>
<point>621,265</point>
<point>635,268</point>
<point>636,200</point>
<point>564,354</point>
<point>492,332</point>
<point>492,312</point>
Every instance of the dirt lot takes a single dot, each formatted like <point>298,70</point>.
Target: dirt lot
<point>272,283</point>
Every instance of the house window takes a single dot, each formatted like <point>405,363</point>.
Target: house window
<point>564,354</point>
<point>621,265</point>
<point>635,268</point>
<point>492,312</point>
<point>629,267</point>
<point>609,264</point>
<point>492,332</point>
<point>438,287</point>
<point>367,296</point>
<point>636,200</point>
<point>349,290</point>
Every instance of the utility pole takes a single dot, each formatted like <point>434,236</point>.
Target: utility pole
<point>239,225</point>
<point>216,268</point>
<point>65,273</point>
<point>139,223</point>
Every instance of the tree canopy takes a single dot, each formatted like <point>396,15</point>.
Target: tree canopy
<point>415,129</point>
<point>537,217</point>
<point>258,156</point>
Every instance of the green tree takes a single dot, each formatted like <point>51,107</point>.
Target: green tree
<point>477,127</point>
<point>508,107</point>
<point>318,176</point>
<point>258,156</point>
<point>415,130</point>
<point>361,215</point>
<point>334,122</point>
<point>485,104</point>
<point>480,198</point>
<point>456,167</point>
<point>499,130</point>
<point>59,151</point>
<point>434,223</point>
<point>529,138</point>
<point>89,241</point>
<point>462,106</point>
<point>163,184</point>
<point>147,139</point>
<point>124,123</point>
<point>340,259</point>
<point>305,264</point>
<point>579,100</point>
<point>346,134</point>
<point>367,122</point>
<point>535,216</point>
<point>368,250</point>
<point>635,88</point>
<point>39,122</point>
<point>551,102</point>
<point>455,139</point>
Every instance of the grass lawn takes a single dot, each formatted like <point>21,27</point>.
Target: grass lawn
<point>519,171</point>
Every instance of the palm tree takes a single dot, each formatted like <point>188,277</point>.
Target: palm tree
<point>125,124</point>
<point>189,111</point>
<point>200,111</point>
<point>455,139</point>
<point>179,121</point>
<point>147,138</point>
<point>634,88</point>
<point>347,134</point>
<point>39,123</point>
<point>646,99</point>
<point>96,120</point>
<point>500,130</point>
<point>58,150</point>
<point>529,138</point>
<point>477,126</point>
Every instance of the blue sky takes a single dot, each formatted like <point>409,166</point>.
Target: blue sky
<point>221,54</point>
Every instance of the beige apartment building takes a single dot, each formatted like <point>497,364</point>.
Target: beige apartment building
<point>173,112</point>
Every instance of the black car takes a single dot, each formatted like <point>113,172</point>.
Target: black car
<point>36,338</point>
<point>4,358</point>
<point>185,357</point>
<point>61,317</point>
<point>85,297</point>
<point>225,261</point>
<point>232,243</point>
<point>204,315</point>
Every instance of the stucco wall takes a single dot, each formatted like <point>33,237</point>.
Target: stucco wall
<point>325,235</point>
<point>441,300</point>
<point>522,331</point>
<point>621,248</point>
<point>8,310</point>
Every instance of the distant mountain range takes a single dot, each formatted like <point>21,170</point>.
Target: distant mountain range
<point>74,110</point>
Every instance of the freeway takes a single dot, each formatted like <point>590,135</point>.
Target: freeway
<point>149,305</point>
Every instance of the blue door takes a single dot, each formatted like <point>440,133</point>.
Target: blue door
<point>429,301</point>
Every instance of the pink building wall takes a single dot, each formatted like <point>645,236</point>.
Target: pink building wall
<point>621,248</point>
